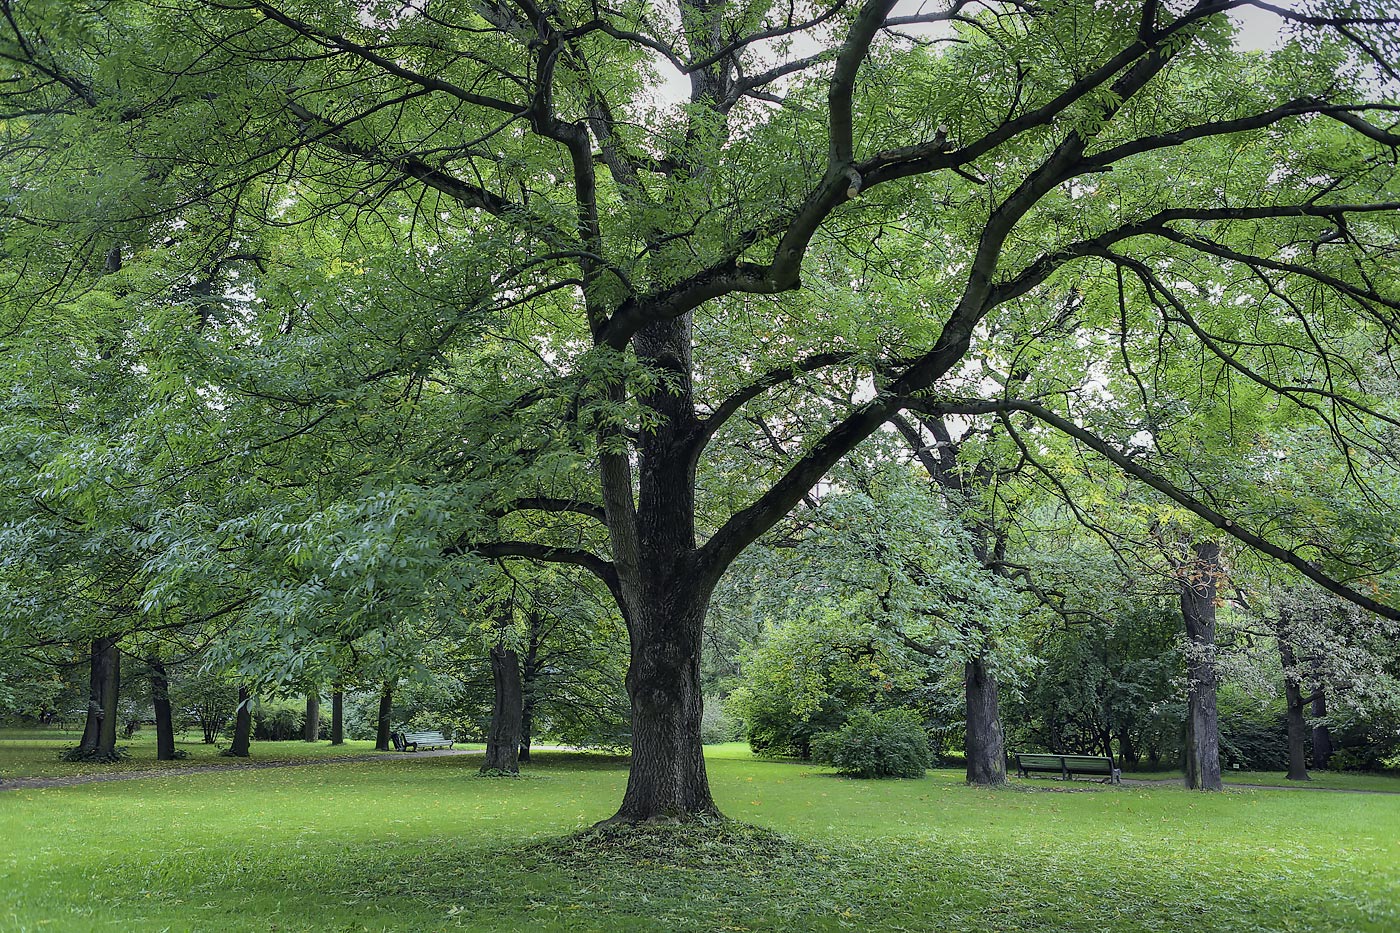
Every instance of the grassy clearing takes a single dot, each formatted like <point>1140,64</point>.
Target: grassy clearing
<point>426,845</point>
<point>23,755</point>
<point>1335,780</point>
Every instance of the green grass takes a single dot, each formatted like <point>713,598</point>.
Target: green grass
<point>426,845</point>
<point>1336,780</point>
<point>22,755</point>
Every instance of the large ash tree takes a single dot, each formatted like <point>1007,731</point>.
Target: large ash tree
<point>845,188</point>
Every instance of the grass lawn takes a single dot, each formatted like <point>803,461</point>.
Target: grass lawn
<point>426,845</point>
<point>29,753</point>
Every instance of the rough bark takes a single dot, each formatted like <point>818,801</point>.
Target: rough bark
<point>1294,704</point>
<point>311,731</point>
<point>383,727</point>
<point>1198,580</point>
<point>111,687</point>
<point>503,739</point>
<point>1322,746</point>
<point>160,702</point>
<point>529,671</point>
<point>242,725</point>
<point>337,716</point>
<point>664,591</point>
<point>986,746</point>
<point>97,676</point>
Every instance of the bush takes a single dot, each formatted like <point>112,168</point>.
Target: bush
<point>887,744</point>
<point>716,725</point>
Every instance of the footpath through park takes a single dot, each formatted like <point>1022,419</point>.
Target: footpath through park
<point>24,783</point>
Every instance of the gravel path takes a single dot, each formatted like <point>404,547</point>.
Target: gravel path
<point>23,783</point>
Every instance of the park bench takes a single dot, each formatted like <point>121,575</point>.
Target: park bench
<point>413,741</point>
<point>1066,766</point>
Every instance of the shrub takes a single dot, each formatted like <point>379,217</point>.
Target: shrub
<point>887,744</point>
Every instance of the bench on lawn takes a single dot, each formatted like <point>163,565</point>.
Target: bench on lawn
<point>1066,766</point>
<point>413,741</point>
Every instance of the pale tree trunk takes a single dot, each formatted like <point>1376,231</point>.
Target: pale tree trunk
<point>986,746</point>
<point>503,739</point>
<point>1198,580</point>
<point>160,702</point>
<point>337,716</point>
<point>242,725</point>
<point>382,725</point>
<point>311,732</point>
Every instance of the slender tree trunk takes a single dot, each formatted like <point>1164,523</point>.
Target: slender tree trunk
<point>1293,705</point>
<point>242,725</point>
<point>528,674</point>
<point>503,740</point>
<point>383,727</point>
<point>986,746</point>
<point>312,730</point>
<point>337,716</point>
<point>160,702</point>
<point>1321,736</point>
<point>1198,581</point>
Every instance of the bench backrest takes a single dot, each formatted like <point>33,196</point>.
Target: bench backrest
<point>424,737</point>
<point>1079,764</point>
<point>1039,761</point>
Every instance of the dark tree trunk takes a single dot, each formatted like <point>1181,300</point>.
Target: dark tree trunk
<point>503,740</point>
<point>1293,706</point>
<point>1198,580</point>
<point>111,687</point>
<point>529,671</point>
<point>242,725</point>
<point>311,732</point>
<point>664,589</point>
<point>668,776</point>
<point>1321,736</point>
<point>97,677</point>
<point>160,702</point>
<point>337,716</point>
<point>986,747</point>
<point>1127,751</point>
<point>383,727</point>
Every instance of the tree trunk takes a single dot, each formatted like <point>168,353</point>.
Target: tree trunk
<point>311,732</point>
<point>986,747</point>
<point>1198,581</point>
<point>528,673</point>
<point>664,590</point>
<point>111,686</point>
<point>503,741</point>
<point>1293,705</point>
<point>383,727</point>
<point>1127,751</point>
<point>1321,736</point>
<point>337,716</point>
<point>160,702</point>
<point>97,676</point>
<point>242,725</point>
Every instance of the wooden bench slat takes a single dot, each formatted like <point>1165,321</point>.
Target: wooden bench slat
<point>1066,765</point>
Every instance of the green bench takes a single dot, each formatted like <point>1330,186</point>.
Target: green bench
<point>1067,766</point>
<point>413,741</point>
